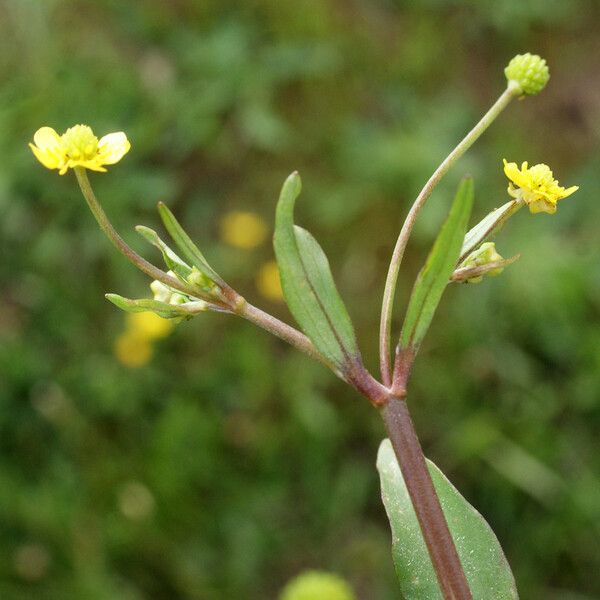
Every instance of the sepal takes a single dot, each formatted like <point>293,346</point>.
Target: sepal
<point>185,310</point>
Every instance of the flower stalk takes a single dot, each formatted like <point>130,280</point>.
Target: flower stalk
<point>512,90</point>
<point>118,242</point>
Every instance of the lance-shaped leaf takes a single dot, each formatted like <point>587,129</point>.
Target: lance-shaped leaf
<point>489,225</point>
<point>434,276</point>
<point>162,309</point>
<point>185,244</point>
<point>308,285</point>
<point>483,561</point>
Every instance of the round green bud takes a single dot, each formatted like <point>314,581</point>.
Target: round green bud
<point>529,71</point>
<point>316,585</point>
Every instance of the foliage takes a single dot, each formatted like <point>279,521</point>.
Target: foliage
<point>228,464</point>
<point>485,565</point>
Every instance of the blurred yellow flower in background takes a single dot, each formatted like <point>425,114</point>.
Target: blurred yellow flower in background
<point>78,147</point>
<point>317,585</point>
<point>149,325</point>
<point>244,230</point>
<point>133,350</point>
<point>268,282</point>
<point>536,186</point>
<point>134,347</point>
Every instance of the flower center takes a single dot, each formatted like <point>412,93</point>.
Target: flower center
<point>80,143</point>
<point>541,178</point>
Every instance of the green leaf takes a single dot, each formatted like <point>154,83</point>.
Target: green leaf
<point>489,225</point>
<point>485,565</point>
<point>185,243</point>
<point>434,276</point>
<point>167,311</point>
<point>173,262</point>
<point>308,285</point>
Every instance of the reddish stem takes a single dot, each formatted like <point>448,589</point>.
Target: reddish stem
<point>425,501</point>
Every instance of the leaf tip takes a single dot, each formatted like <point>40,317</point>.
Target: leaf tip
<point>118,301</point>
<point>147,233</point>
<point>294,181</point>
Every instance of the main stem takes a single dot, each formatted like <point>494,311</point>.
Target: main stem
<point>440,545</point>
<point>392,277</point>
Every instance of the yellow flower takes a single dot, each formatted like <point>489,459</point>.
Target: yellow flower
<point>268,283</point>
<point>133,350</point>
<point>244,230</point>
<point>536,186</point>
<point>78,147</point>
<point>134,347</point>
<point>149,325</point>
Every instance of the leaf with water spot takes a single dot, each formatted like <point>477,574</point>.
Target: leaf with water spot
<point>485,565</point>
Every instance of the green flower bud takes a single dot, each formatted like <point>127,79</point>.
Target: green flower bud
<point>529,71</point>
<point>484,255</point>
<point>199,279</point>
<point>160,291</point>
<point>163,293</point>
<point>315,585</point>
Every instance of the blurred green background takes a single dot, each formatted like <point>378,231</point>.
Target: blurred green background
<point>228,463</point>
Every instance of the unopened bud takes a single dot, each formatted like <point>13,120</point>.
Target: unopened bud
<point>484,255</point>
<point>161,292</point>
<point>529,71</point>
<point>199,279</point>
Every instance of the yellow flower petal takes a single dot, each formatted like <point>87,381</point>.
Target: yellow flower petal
<point>570,191</point>
<point>49,159</point>
<point>512,172</point>
<point>47,148</point>
<point>112,148</point>
<point>92,165</point>
<point>45,138</point>
<point>538,206</point>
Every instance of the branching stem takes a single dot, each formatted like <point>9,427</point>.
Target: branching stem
<point>236,303</point>
<point>131,255</point>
